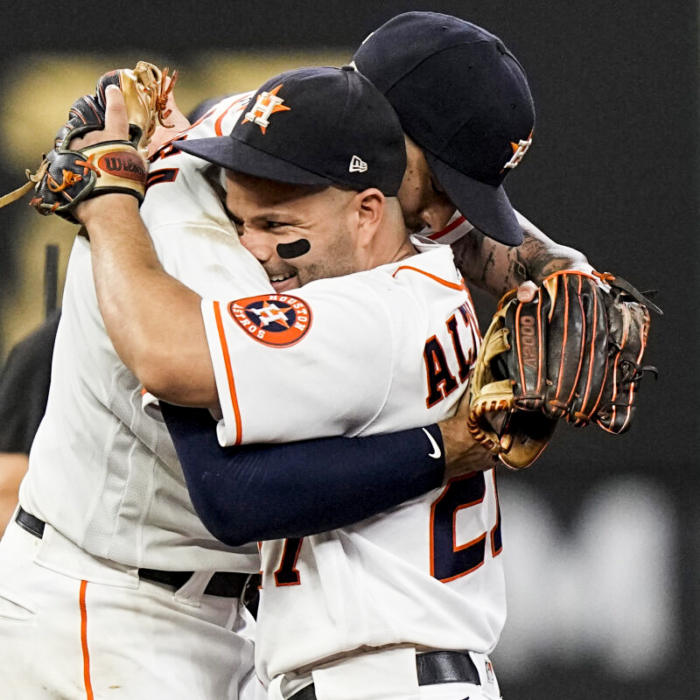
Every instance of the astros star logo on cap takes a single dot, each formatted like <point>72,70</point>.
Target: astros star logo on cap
<point>519,150</point>
<point>266,105</point>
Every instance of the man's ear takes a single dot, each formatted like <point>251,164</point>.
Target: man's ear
<point>370,206</point>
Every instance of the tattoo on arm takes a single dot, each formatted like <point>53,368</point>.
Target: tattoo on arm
<point>538,258</point>
<point>517,271</point>
<point>489,264</point>
<point>496,268</point>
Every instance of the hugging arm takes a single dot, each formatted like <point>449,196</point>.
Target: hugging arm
<point>260,492</point>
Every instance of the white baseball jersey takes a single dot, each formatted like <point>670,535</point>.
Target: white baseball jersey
<point>103,472</point>
<point>372,352</point>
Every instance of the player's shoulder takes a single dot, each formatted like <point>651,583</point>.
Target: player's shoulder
<point>221,117</point>
<point>431,268</point>
<point>218,120</point>
<point>184,191</point>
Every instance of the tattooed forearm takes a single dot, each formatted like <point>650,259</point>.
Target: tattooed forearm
<point>483,262</point>
<point>537,258</point>
<point>517,271</point>
<point>488,266</point>
<point>496,268</point>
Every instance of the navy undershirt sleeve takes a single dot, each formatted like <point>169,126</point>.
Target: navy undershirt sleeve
<point>261,492</point>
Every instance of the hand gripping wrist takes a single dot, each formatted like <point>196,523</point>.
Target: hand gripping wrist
<point>73,176</point>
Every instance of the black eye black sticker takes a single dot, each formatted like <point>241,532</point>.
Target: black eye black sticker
<point>293,250</point>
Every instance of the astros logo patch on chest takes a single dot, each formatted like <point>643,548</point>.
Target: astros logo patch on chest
<point>278,320</point>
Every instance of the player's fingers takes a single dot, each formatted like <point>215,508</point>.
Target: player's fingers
<point>116,122</point>
<point>116,117</point>
<point>527,291</point>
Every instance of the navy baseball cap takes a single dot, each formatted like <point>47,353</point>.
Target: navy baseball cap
<point>464,99</point>
<point>314,126</point>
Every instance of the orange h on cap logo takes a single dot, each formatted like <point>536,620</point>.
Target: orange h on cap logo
<point>519,150</point>
<point>265,106</point>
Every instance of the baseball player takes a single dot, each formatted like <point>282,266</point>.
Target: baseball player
<point>268,361</point>
<point>110,585</point>
<point>106,556</point>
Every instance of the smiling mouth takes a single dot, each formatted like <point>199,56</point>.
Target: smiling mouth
<point>284,282</point>
<point>282,278</point>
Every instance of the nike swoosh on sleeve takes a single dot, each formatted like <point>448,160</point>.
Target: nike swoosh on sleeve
<point>436,453</point>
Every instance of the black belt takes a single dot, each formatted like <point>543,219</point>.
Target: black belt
<point>30,523</point>
<point>227,584</point>
<point>434,667</point>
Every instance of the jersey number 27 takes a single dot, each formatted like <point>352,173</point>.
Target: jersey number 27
<point>448,560</point>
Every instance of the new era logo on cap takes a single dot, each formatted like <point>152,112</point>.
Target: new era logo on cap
<point>357,165</point>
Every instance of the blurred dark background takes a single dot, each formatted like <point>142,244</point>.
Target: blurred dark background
<point>607,562</point>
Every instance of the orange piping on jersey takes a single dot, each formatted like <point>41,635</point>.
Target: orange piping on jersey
<point>451,285</point>
<point>83,641</point>
<point>448,229</point>
<point>229,370</point>
<point>237,103</point>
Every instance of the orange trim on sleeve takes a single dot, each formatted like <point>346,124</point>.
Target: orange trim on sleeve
<point>83,642</point>
<point>229,370</point>
<point>451,285</point>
